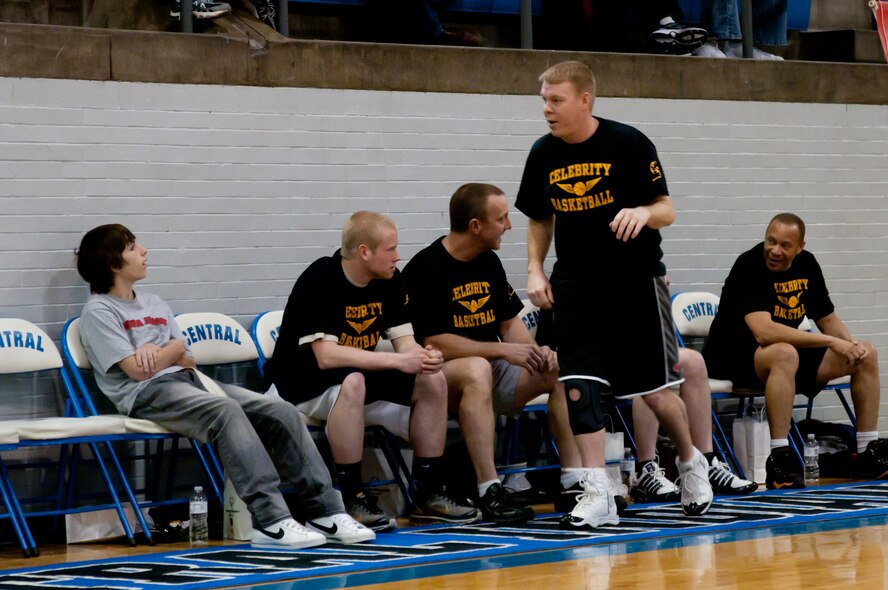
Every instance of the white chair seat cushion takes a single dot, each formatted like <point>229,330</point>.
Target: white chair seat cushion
<point>141,426</point>
<point>55,428</point>
<point>8,435</point>
<point>539,400</point>
<point>846,380</point>
<point>720,385</point>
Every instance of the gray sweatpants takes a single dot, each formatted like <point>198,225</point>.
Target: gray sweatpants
<point>249,430</point>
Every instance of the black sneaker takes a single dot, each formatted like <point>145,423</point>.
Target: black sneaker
<point>567,499</point>
<point>873,462</point>
<point>679,35</point>
<point>498,506</point>
<point>266,12</point>
<point>783,470</point>
<point>200,10</point>
<point>365,511</point>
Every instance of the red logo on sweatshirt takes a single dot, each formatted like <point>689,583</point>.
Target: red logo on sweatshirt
<point>146,321</point>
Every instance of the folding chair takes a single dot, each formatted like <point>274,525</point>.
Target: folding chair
<point>264,331</point>
<point>26,350</point>
<point>77,365</point>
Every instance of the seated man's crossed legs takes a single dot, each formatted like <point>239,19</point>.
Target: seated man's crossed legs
<point>786,370</point>
<point>424,397</point>
<point>651,483</point>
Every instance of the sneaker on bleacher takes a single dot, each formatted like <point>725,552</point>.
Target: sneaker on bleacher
<point>200,10</point>
<point>725,483</point>
<point>653,485</point>
<point>671,35</point>
<point>265,11</point>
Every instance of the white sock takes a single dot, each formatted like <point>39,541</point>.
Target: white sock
<point>682,466</point>
<point>666,20</point>
<point>571,476</point>
<point>483,487</point>
<point>864,438</point>
<point>776,443</point>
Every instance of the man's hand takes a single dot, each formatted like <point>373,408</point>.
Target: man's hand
<point>146,357</point>
<point>421,360</point>
<point>628,222</point>
<point>539,290</point>
<point>529,356</point>
<point>432,361</point>
<point>853,352</point>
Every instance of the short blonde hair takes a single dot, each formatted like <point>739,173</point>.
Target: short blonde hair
<point>578,74</point>
<point>364,227</point>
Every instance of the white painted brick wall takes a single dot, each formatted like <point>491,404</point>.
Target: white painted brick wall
<point>235,190</point>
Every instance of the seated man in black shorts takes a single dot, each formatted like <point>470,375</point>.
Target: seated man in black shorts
<point>754,342</point>
<point>326,364</point>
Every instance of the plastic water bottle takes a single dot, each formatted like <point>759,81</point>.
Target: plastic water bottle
<point>198,532</point>
<point>812,461</point>
<point>627,467</point>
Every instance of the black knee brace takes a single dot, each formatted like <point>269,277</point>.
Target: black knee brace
<point>585,413</point>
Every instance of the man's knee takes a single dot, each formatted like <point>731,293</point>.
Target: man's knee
<point>693,366</point>
<point>473,377</point>
<point>353,390</point>
<point>780,356</point>
<point>430,388</point>
<point>584,409</point>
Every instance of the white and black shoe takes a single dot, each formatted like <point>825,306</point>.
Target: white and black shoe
<point>693,481</point>
<point>266,12</point>
<point>341,528</point>
<point>725,483</point>
<point>366,511</point>
<point>675,35</point>
<point>653,485</point>
<point>286,534</point>
<point>595,506</point>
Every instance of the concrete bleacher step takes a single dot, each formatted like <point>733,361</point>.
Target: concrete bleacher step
<point>847,45</point>
<point>840,31</point>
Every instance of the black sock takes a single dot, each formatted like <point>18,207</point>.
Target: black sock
<point>639,467</point>
<point>349,477</point>
<point>428,473</point>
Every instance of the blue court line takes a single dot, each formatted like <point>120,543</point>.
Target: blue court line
<point>569,554</point>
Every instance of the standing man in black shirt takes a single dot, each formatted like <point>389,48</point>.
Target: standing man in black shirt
<point>597,186</point>
<point>755,342</point>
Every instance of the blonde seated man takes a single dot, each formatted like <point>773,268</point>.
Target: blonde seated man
<point>326,364</point>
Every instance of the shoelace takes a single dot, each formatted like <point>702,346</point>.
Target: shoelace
<point>691,476</point>
<point>592,489</point>
<point>658,477</point>
<point>722,476</point>
<point>347,522</point>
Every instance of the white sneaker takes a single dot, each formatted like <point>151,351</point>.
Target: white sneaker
<point>735,49</point>
<point>595,506</point>
<point>696,491</point>
<point>341,528</point>
<point>709,49</point>
<point>286,534</point>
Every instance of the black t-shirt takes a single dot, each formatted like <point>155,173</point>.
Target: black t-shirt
<point>449,296</point>
<point>788,296</point>
<point>324,305</point>
<point>585,185</point>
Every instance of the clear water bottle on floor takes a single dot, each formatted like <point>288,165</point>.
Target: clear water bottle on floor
<point>627,467</point>
<point>812,461</point>
<point>198,532</point>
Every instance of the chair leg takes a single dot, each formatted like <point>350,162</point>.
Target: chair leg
<point>726,450</point>
<point>128,490</point>
<point>847,407</point>
<point>389,450</point>
<point>19,524</point>
<point>109,482</point>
